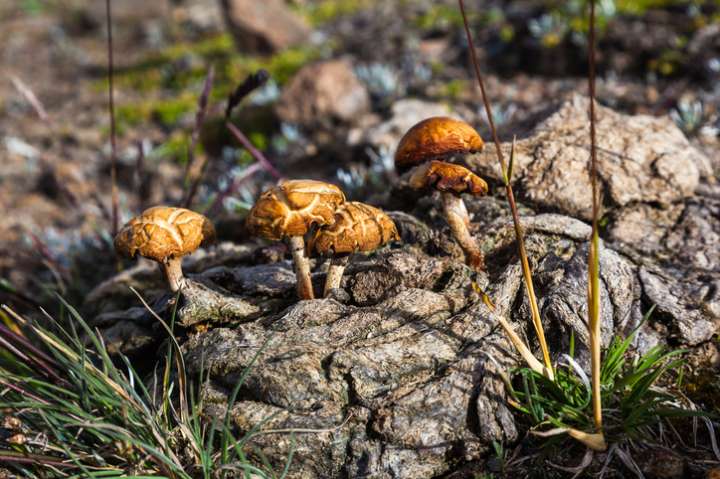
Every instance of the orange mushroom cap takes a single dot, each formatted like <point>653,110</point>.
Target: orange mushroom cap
<point>436,138</point>
<point>164,232</point>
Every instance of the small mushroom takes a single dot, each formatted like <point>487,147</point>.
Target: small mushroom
<point>288,211</point>
<point>165,234</point>
<point>422,149</point>
<point>357,228</point>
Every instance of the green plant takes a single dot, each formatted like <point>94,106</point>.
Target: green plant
<point>635,390</point>
<point>78,413</point>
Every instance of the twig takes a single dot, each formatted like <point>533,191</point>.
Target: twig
<point>593,257</point>
<point>28,94</point>
<point>194,171</point>
<point>535,311</point>
<point>141,182</point>
<point>254,152</point>
<point>111,108</point>
<point>233,186</point>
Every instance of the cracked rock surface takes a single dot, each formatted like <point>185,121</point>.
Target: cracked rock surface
<point>397,374</point>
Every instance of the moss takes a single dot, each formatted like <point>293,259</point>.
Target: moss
<point>453,89</point>
<point>442,16</point>
<point>156,75</point>
<point>325,11</point>
<point>638,7</point>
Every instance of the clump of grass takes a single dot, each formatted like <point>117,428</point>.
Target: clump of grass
<point>636,395</point>
<point>78,413</point>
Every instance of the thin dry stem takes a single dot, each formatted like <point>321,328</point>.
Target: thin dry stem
<point>111,110</point>
<point>593,257</point>
<point>535,311</point>
<point>254,152</point>
<point>195,170</point>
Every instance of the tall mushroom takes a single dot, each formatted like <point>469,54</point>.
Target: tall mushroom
<point>423,151</point>
<point>357,228</point>
<point>165,234</point>
<point>288,211</point>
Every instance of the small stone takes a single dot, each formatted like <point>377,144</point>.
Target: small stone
<point>322,94</point>
<point>263,27</point>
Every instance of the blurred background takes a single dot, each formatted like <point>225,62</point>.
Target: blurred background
<point>347,78</point>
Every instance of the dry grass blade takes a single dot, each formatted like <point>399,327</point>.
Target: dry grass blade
<point>111,110</point>
<point>596,441</point>
<point>195,169</point>
<point>31,98</point>
<point>254,152</point>
<point>593,257</point>
<point>535,311</point>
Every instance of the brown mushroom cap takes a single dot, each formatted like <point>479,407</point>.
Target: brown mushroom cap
<point>447,177</point>
<point>164,232</point>
<point>357,227</point>
<point>436,138</point>
<point>290,208</point>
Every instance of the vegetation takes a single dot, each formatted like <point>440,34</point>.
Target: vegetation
<point>78,413</point>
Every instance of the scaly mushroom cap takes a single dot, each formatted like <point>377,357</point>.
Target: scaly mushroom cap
<point>292,207</point>
<point>164,232</point>
<point>436,138</point>
<point>357,227</point>
<point>447,177</point>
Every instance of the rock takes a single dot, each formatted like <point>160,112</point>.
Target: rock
<point>662,463</point>
<point>209,303</point>
<point>322,94</point>
<point>263,27</point>
<point>641,159</point>
<point>404,114</point>
<point>563,298</point>
<point>690,322</point>
<point>402,386</point>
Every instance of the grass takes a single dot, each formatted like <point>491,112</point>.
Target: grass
<point>638,392</point>
<point>79,413</point>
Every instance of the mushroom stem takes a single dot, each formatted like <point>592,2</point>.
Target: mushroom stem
<point>459,221</point>
<point>173,271</point>
<point>302,267</point>
<point>335,273</point>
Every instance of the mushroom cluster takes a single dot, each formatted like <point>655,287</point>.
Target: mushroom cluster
<point>295,209</point>
<point>424,155</point>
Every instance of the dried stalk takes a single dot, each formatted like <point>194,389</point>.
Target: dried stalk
<point>194,170</point>
<point>593,257</point>
<point>535,311</point>
<point>111,109</point>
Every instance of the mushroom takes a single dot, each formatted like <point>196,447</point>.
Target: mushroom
<point>165,234</point>
<point>288,211</point>
<point>422,151</point>
<point>357,228</point>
